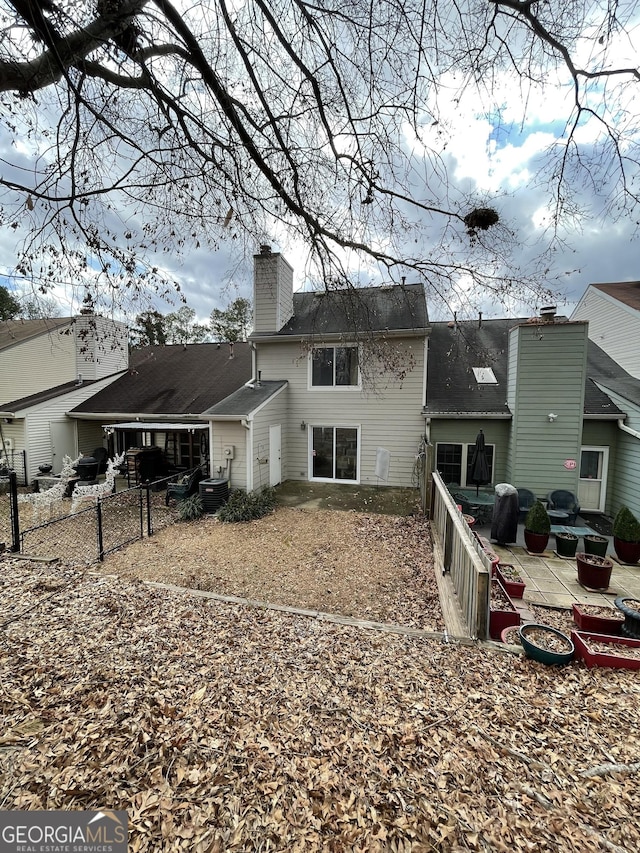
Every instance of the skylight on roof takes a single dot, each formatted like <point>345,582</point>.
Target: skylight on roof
<point>485,376</point>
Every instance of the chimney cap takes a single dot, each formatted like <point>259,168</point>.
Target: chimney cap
<point>265,249</point>
<point>548,312</point>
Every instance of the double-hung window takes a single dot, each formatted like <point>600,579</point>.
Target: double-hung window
<point>334,366</point>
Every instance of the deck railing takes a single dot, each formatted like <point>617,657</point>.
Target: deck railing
<point>463,558</point>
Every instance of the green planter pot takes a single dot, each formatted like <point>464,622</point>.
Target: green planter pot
<point>566,544</point>
<point>596,545</point>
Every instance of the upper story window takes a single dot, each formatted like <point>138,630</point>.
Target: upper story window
<point>334,366</point>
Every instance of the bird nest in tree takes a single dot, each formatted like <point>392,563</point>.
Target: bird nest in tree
<point>481,219</point>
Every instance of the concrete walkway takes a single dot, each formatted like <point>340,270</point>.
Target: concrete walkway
<point>553,580</point>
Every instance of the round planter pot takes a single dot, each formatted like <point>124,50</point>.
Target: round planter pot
<point>627,552</point>
<point>594,572</point>
<point>630,608</point>
<point>546,644</point>
<point>566,544</point>
<point>535,542</point>
<point>596,545</point>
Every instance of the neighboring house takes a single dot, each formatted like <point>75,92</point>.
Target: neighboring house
<point>613,312</point>
<point>158,401</point>
<point>337,389</point>
<point>46,368</point>
<point>556,411</point>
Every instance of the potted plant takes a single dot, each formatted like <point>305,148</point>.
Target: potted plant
<point>630,608</point>
<point>594,544</point>
<point>594,572</point>
<point>597,619</point>
<point>511,580</point>
<point>566,544</point>
<point>537,528</point>
<point>626,536</point>
<point>546,644</point>
<point>502,611</point>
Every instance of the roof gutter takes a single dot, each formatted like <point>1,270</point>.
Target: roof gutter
<point>628,430</point>
<point>341,336</point>
<point>131,416</point>
<point>496,416</point>
<point>7,415</point>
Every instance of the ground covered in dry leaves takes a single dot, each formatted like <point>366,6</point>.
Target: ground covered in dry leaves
<point>225,727</point>
<point>375,567</point>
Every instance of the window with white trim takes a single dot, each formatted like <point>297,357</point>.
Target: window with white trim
<point>453,462</point>
<point>334,366</point>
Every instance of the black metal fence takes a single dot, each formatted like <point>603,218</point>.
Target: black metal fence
<point>86,536</point>
<point>15,460</point>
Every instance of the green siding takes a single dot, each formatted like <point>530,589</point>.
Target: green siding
<point>463,431</point>
<point>546,374</point>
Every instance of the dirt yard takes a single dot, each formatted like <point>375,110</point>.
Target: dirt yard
<point>371,566</point>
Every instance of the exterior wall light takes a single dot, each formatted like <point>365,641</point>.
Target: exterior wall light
<point>552,417</point>
<point>303,425</point>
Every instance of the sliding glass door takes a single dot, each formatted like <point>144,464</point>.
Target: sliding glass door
<point>334,453</point>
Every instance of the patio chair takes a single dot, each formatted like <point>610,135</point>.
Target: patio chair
<point>566,501</point>
<point>526,500</point>
<point>187,485</point>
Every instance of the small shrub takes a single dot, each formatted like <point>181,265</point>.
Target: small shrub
<point>246,506</point>
<point>626,526</point>
<point>190,508</point>
<point>537,520</point>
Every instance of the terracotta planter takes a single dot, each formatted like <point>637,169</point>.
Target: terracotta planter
<point>510,580</point>
<point>596,545</point>
<point>536,542</point>
<point>566,544</point>
<point>594,572</point>
<point>584,641</point>
<point>595,622</point>
<point>502,611</point>
<point>627,552</point>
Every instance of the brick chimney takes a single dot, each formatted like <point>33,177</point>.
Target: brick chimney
<point>272,291</point>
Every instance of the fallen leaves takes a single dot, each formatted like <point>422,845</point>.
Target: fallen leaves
<point>220,727</point>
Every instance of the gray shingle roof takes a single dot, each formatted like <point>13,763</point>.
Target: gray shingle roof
<point>358,310</point>
<point>174,380</point>
<point>455,350</point>
<point>42,396</point>
<point>624,291</point>
<point>14,331</point>
<point>246,400</point>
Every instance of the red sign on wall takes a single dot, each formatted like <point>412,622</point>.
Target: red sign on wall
<point>570,464</point>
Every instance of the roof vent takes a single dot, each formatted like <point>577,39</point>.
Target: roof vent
<point>548,313</point>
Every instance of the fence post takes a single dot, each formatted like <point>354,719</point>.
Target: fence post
<point>149,525</point>
<point>15,519</point>
<point>100,536</point>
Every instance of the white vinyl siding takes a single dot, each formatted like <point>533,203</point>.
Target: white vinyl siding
<point>274,412</point>
<point>613,326</point>
<point>230,433</point>
<point>390,416</point>
<point>37,364</point>
<point>102,347</point>
<point>38,419</point>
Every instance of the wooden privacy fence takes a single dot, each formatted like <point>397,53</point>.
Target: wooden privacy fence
<point>463,558</point>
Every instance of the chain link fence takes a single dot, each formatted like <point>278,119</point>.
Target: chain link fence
<point>88,535</point>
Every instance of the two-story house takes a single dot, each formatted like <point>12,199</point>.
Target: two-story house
<point>337,389</point>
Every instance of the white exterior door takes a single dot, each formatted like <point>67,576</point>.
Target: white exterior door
<point>63,442</point>
<point>592,486</point>
<point>275,454</point>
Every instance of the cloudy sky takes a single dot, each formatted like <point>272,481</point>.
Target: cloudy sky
<point>498,157</point>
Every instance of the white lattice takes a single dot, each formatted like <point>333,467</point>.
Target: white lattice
<point>99,490</point>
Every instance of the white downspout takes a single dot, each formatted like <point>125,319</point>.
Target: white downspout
<point>628,430</point>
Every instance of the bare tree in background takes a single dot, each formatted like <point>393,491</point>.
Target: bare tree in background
<point>146,128</point>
